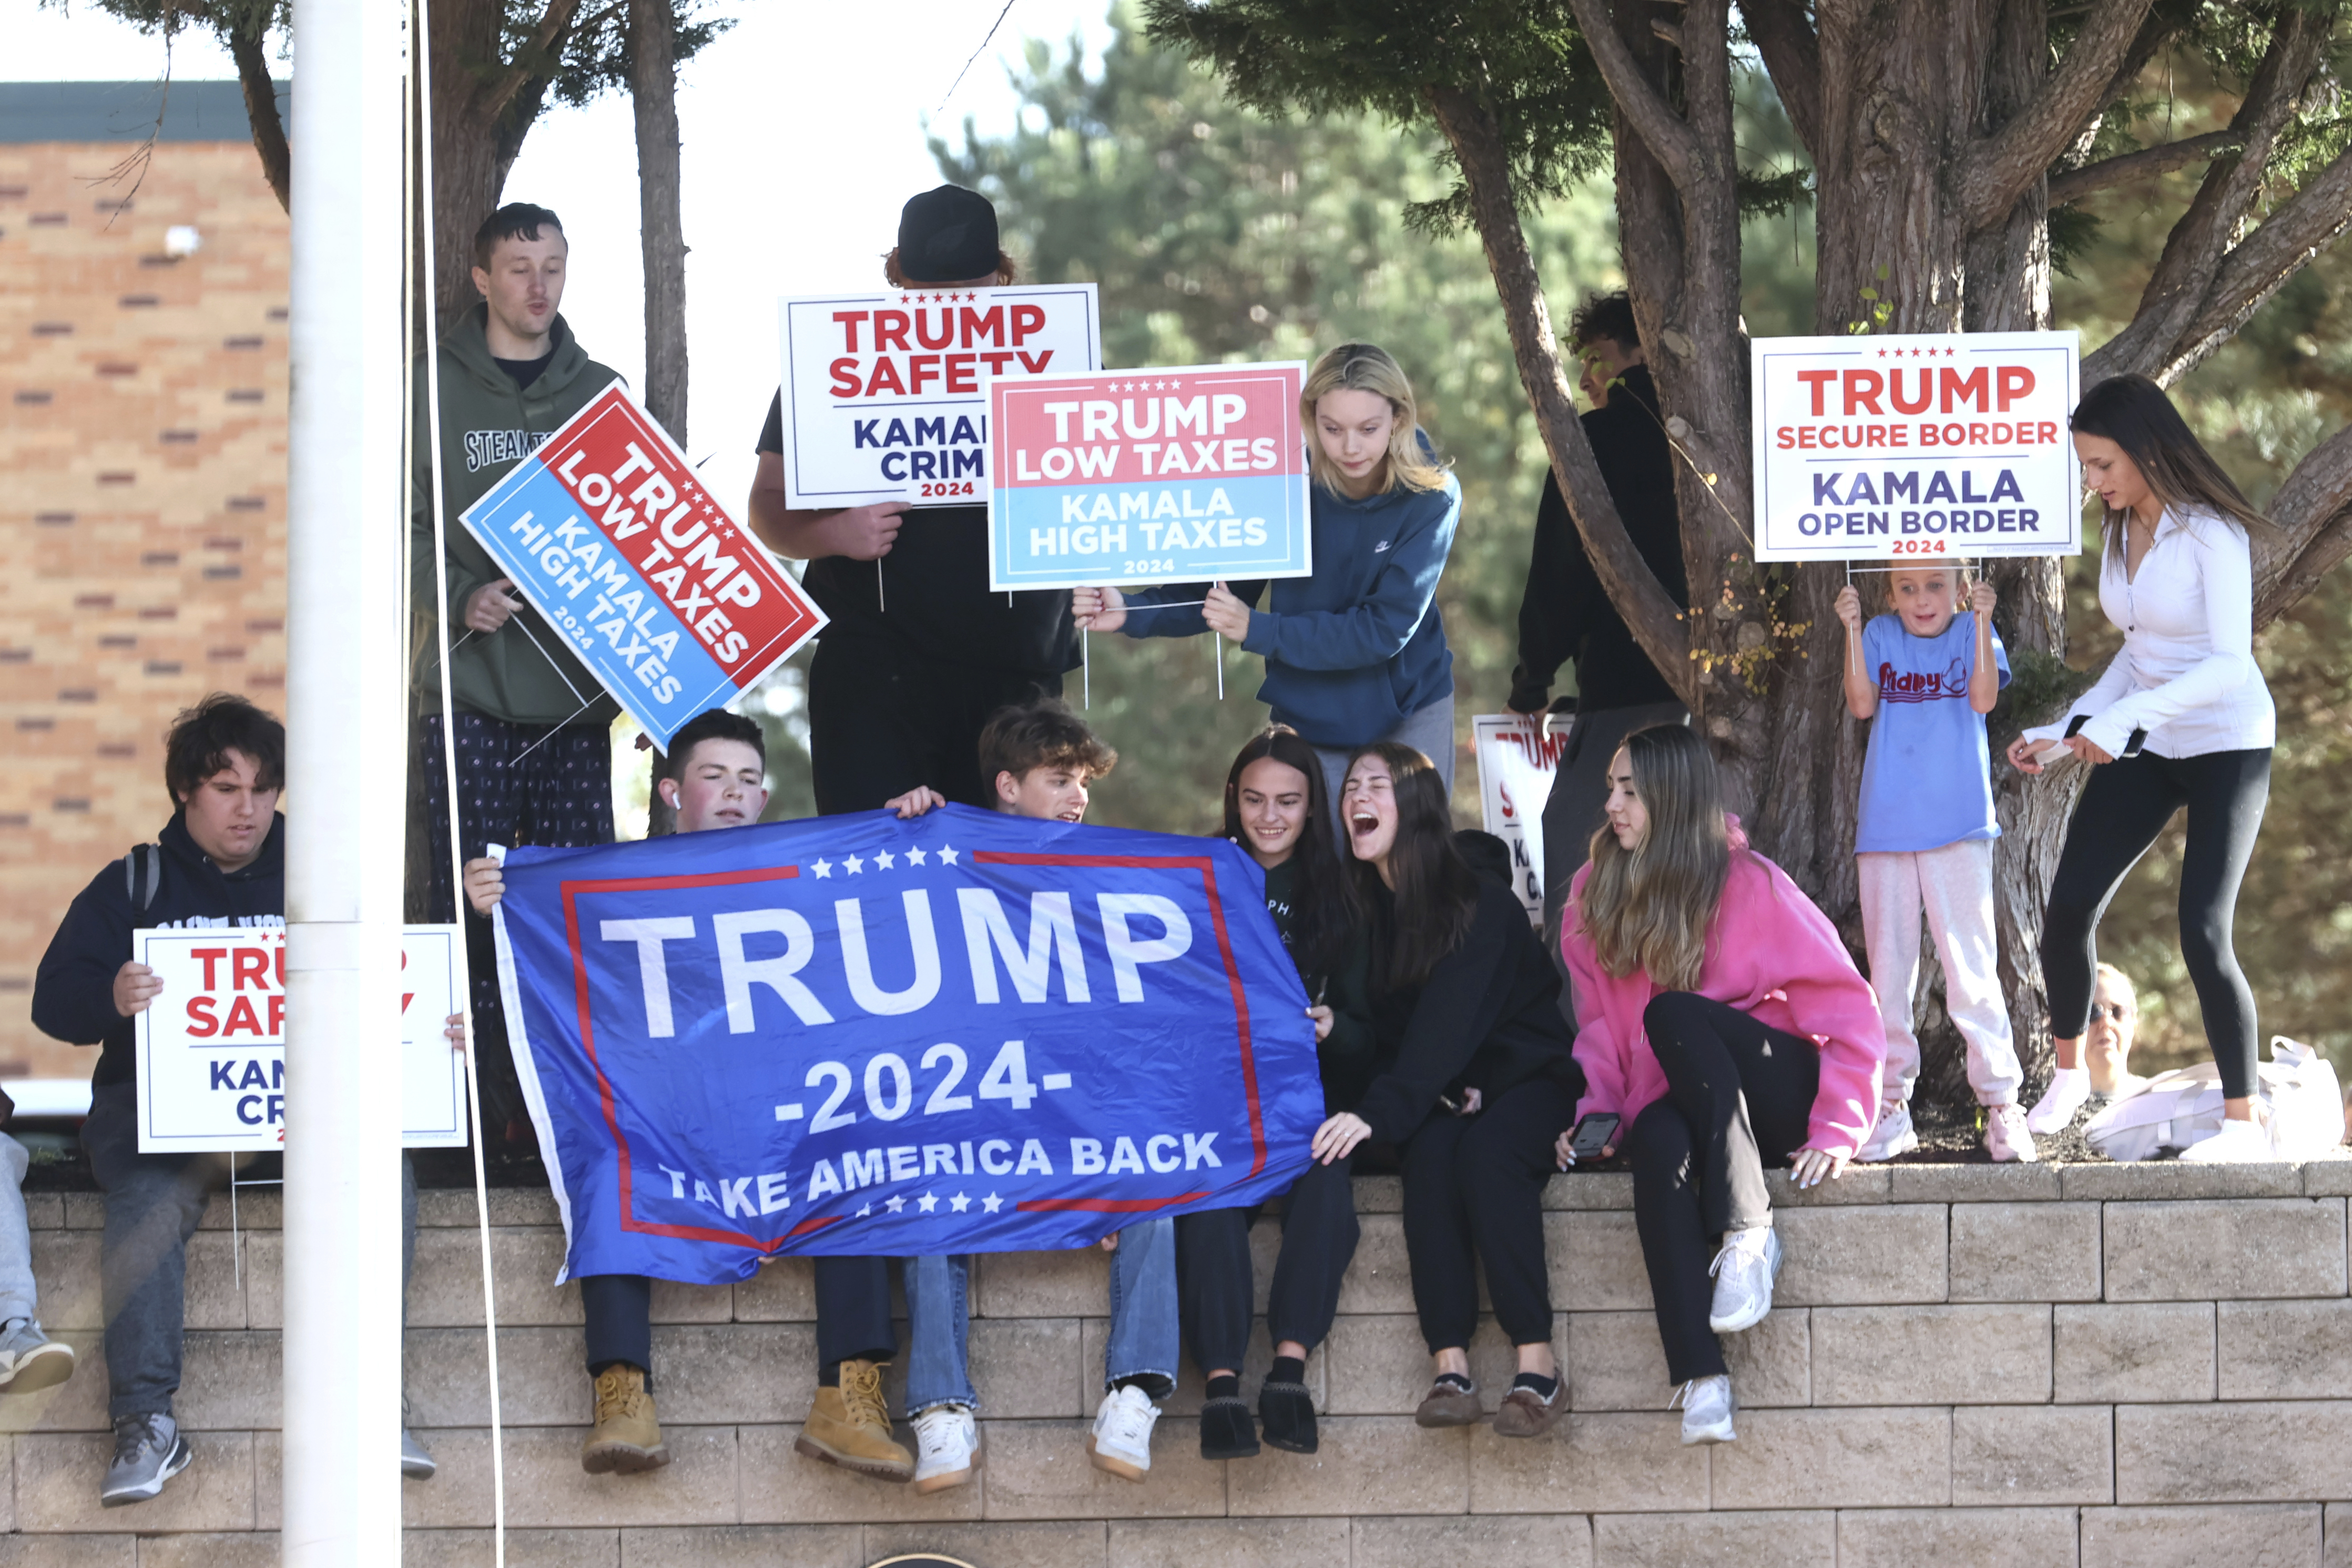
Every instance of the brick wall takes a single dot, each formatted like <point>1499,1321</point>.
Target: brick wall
<point>2090,1366</point>
<point>142,518</point>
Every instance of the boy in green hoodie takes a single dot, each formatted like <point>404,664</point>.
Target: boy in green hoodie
<point>532,727</point>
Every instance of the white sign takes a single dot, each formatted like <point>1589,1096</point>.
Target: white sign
<point>212,1047</point>
<point>885,395</point>
<point>1873,448</point>
<point>1517,764</point>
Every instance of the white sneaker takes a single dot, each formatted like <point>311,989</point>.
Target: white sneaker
<point>2069,1091</point>
<point>1744,1271</point>
<point>950,1443</point>
<point>1120,1440</point>
<point>2237,1143</point>
<point>1708,1407</point>
<point>1893,1134</point>
<point>2005,1135</point>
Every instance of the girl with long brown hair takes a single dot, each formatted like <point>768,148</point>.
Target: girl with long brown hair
<point>1720,1019</point>
<point>1474,1081</point>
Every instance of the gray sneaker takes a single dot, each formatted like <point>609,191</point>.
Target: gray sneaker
<point>148,1451</point>
<point>31,1361</point>
<point>414,1462</point>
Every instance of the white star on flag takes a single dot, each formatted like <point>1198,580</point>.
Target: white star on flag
<point>929,1201</point>
<point>853,863</point>
<point>959,1203</point>
<point>868,1210</point>
<point>895,1204</point>
<point>822,867</point>
<point>883,861</point>
<point>915,856</point>
<point>991,1203</point>
<point>947,854</point>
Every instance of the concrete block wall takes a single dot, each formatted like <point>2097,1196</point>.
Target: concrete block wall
<point>2083,1366</point>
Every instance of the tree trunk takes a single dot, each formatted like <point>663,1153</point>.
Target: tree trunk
<point>653,86</point>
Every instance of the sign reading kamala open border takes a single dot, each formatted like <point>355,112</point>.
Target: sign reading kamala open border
<point>854,1034</point>
<point>610,535</point>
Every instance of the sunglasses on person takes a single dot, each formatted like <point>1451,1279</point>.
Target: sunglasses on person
<point>2113,1011</point>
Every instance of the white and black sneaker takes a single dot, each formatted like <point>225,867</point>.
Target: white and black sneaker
<point>1707,1409</point>
<point>31,1361</point>
<point>148,1451</point>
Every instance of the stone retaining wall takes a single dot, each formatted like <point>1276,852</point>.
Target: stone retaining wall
<point>2083,1366</point>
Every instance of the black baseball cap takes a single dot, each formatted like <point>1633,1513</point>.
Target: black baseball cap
<point>946,235</point>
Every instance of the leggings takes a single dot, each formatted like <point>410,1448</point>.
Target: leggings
<point>1740,1095</point>
<point>1213,1268</point>
<point>2127,804</point>
<point>1473,1193</point>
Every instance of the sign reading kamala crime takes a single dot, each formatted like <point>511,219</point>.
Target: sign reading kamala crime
<point>1953,445</point>
<point>608,534</point>
<point>885,395</point>
<point>854,1034</point>
<point>1176,475</point>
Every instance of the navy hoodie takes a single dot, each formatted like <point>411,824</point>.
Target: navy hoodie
<point>73,994</point>
<point>1358,648</point>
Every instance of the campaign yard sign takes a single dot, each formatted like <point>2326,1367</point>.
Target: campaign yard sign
<point>1181,474</point>
<point>1951,444</point>
<point>854,1034</point>
<point>885,395</point>
<point>212,1047</point>
<point>1517,764</point>
<point>608,534</point>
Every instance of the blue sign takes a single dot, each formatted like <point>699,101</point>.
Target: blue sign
<point>854,1034</point>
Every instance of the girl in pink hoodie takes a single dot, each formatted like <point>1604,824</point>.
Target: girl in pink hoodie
<point>1719,1016</point>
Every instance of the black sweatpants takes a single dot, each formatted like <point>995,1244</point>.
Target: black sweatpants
<point>2124,807</point>
<point>1740,1095</point>
<point>853,1317</point>
<point>1474,1190</point>
<point>884,719</point>
<point>1212,1269</point>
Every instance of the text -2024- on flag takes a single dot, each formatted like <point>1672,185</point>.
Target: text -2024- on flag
<point>857,1035</point>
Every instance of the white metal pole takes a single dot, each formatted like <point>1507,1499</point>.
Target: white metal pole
<point>345,776</point>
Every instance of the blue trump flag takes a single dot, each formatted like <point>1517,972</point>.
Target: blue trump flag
<point>854,1034</point>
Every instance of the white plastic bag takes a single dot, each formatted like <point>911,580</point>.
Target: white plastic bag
<point>2302,1105</point>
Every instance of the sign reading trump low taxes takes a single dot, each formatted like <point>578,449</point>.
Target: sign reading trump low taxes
<point>212,1046</point>
<point>854,1034</point>
<point>610,535</point>
<point>1876,448</point>
<point>1179,474</point>
<point>885,395</point>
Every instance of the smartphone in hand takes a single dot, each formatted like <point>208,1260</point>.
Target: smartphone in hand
<point>1594,1134</point>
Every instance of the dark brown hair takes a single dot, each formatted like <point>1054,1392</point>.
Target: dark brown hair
<point>516,220</point>
<point>1007,271</point>
<point>1040,734</point>
<point>2133,413</point>
<point>1436,892</point>
<point>202,738</point>
<point>711,724</point>
<point>1324,905</point>
<point>1607,316</point>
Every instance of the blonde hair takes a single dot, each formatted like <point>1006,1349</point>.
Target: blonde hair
<point>1649,908</point>
<point>1367,367</point>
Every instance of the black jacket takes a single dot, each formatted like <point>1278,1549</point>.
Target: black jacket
<point>1346,1056</point>
<point>1488,1018</point>
<point>73,994</point>
<point>1566,614</point>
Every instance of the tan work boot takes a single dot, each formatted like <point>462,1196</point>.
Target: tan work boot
<point>627,1438</point>
<point>850,1427</point>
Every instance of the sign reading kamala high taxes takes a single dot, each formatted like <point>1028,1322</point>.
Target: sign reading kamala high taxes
<point>212,1047</point>
<point>885,395</point>
<point>1174,475</point>
<point>1953,445</point>
<point>610,535</point>
<point>854,1034</point>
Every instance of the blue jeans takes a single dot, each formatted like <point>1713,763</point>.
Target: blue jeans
<point>1143,1329</point>
<point>17,1296</point>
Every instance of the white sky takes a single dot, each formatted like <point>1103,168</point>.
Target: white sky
<point>803,132</point>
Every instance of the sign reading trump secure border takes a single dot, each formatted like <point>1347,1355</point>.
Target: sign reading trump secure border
<point>854,1034</point>
<point>610,535</point>
<point>1953,445</point>
<point>1181,474</point>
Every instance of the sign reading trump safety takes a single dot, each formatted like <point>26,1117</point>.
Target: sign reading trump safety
<point>610,535</point>
<point>1186,474</point>
<point>1876,448</point>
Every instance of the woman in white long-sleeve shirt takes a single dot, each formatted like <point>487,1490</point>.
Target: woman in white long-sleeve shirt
<point>2178,580</point>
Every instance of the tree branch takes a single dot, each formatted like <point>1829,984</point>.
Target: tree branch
<point>1633,588</point>
<point>261,114</point>
<point>2314,512</point>
<point>1662,130</point>
<point>1792,58</point>
<point>2075,184</point>
<point>2002,167</point>
<point>2259,267</point>
<point>537,59</point>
